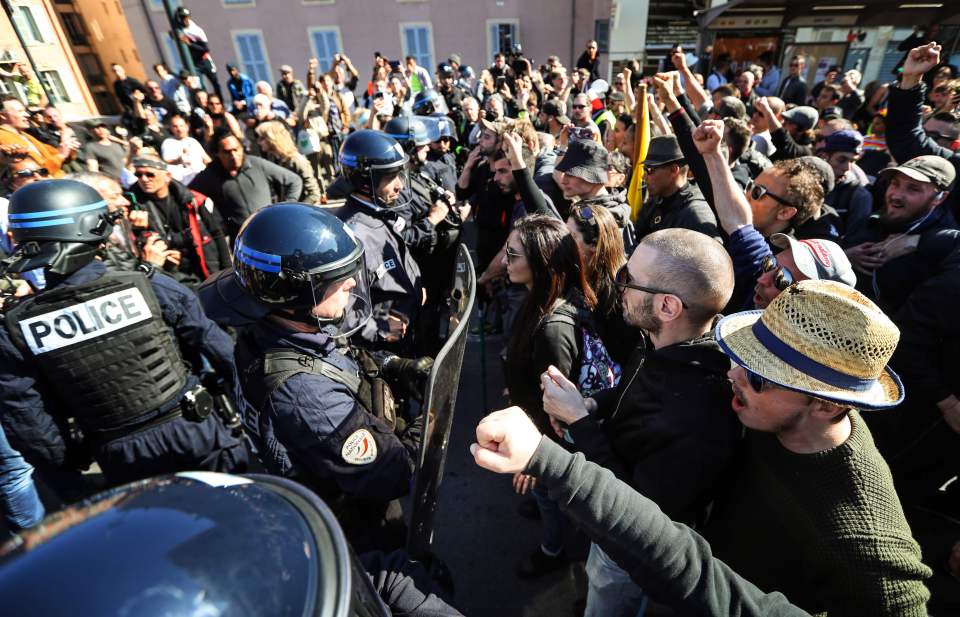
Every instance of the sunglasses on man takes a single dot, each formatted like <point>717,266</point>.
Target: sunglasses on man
<point>29,173</point>
<point>624,281</point>
<point>759,191</point>
<point>757,382</point>
<point>782,279</point>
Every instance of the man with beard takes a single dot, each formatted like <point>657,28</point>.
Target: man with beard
<point>902,247</point>
<point>665,429</point>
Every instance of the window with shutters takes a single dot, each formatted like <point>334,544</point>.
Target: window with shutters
<point>416,39</point>
<point>502,35</point>
<point>252,54</point>
<point>325,43</point>
<point>27,24</point>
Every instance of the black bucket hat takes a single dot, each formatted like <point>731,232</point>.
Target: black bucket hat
<point>662,150</point>
<point>586,160</point>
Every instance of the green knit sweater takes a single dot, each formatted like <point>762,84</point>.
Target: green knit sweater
<point>826,529</point>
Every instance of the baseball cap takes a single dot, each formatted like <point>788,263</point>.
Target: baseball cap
<point>832,113</point>
<point>927,168</point>
<point>803,116</point>
<point>149,161</point>
<point>551,108</point>
<point>286,68</point>
<point>818,259</point>
<point>96,122</point>
<point>445,70</point>
<point>846,140</point>
<point>454,59</point>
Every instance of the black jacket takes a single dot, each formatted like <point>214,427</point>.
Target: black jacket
<point>667,428</point>
<point>891,284</point>
<point>686,208</point>
<point>258,184</point>
<point>174,226</point>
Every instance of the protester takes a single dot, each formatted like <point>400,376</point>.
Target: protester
<point>542,256</point>
<point>672,412</point>
<point>104,154</point>
<point>196,41</point>
<point>184,154</point>
<point>241,184</point>
<point>277,146</point>
<point>14,122</point>
<point>793,88</point>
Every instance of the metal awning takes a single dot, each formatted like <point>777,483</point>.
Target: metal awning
<point>776,14</point>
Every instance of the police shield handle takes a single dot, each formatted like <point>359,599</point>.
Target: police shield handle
<point>506,441</point>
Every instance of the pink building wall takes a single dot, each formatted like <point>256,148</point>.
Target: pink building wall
<point>365,26</point>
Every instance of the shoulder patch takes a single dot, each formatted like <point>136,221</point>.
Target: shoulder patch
<point>359,448</point>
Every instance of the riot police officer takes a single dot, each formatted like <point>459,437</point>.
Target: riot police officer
<point>443,148</point>
<point>428,102</point>
<point>321,411</point>
<point>208,544</point>
<point>374,165</point>
<point>110,352</point>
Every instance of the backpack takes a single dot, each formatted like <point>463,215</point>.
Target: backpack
<point>597,370</point>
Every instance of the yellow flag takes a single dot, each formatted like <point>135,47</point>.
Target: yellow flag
<point>640,145</point>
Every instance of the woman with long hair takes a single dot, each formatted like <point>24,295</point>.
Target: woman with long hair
<point>277,146</point>
<point>542,256</point>
<point>600,240</point>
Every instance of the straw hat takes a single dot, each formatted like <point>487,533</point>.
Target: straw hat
<point>821,338</point>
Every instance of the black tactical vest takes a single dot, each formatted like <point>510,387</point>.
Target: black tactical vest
<point>102,347</point>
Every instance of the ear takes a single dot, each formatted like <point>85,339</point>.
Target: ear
<point>940,197</point>
<point>822,410</point>
<point>785,213</point>
<point>669,307</point>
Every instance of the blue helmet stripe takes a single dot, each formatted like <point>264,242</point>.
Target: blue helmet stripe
<point>255,254</point>
<point>46,213</point>
<point>259,265</point>
<point>50,223</point>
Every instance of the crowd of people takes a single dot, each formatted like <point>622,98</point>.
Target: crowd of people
<point>277,242</point>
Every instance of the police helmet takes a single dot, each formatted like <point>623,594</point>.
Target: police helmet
<point>427,102</point>
<point>446,128</point>
<point>367,157</point>
<point>196,543</point>
<point>58,224</point>
<point>409,131</point>
<point>288,255</point>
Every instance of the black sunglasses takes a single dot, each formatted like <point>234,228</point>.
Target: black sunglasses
<point>758,191</point>
<point>145,174</point>
<point>579,106</point>
<point>782,279</point>
<point>29,173</point>
<point>757,382</point>
<point>623,281</point>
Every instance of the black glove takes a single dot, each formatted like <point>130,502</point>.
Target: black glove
<point>410,374</point>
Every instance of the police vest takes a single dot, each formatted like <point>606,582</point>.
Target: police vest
<point>103,347</point>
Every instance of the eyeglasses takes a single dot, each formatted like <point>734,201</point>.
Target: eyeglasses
<point>623,281</point>
<point>759,191</point>
<point>579,106</point>
<point>145,174</point>
<point>782,279</point>
<point>513,255</point>
<point>29,173</point>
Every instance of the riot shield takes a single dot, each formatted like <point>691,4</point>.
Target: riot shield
<point>441,396</point>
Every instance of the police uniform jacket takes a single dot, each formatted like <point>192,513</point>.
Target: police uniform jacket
<point>395,282</point>
<point>32,411</point>
<point>312,428</point>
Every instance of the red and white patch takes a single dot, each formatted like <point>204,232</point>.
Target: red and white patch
<point>820,252</point>
<point>359,448</point>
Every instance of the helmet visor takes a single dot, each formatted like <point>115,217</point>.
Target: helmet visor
<point>342,306</point>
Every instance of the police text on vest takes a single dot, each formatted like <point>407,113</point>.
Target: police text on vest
<point>82,322</point>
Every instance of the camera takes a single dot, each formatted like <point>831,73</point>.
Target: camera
<point>581,133</point>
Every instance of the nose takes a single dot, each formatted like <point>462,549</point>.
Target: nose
<point>766,279</point>
<point>349,284</point>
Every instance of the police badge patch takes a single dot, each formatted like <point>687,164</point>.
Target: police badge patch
<point>359,448</point>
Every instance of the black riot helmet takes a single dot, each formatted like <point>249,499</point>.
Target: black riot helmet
<point>428,102</point>
<point>58,225</point>
<point>409,132</point>
<point>290,255</point>
<point>368,157</point>
<point>197,543</point>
